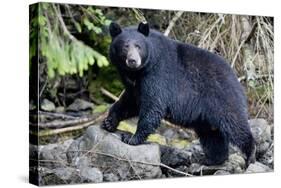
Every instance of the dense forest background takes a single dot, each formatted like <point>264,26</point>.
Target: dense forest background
<point>71,43</point>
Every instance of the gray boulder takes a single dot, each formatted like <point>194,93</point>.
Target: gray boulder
<point>108,153</point>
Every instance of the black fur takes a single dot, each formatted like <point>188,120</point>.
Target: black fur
<point>186,85</point>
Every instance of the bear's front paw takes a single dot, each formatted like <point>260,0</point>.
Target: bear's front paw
<point>130,139</point>
<point>109,124</point>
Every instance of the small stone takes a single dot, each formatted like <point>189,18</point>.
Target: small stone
<point>48,106</point>
<point>268,158</point>
<point>258,167</point>
<point>262,134</point>
<point>221,172</point>
<point>235,163</point>
<point>237,159</point>
<point>184,134</point>
<point>60,109</point>
<point>80,105</point>
<point>93,175</point>
<point>169,133</point>
<point>110,177</point>
<point>64,173</point>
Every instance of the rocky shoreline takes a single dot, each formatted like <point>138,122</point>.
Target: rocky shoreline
<point>98,156</point>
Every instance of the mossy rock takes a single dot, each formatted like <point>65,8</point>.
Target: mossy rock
<point>157,138</point>
<point>179,143</point>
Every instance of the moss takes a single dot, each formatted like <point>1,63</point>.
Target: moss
<point>123,126</point>
<point>157,138</point>
<point>100,108</point>
<point>179,143</point>
<point>107,78</point>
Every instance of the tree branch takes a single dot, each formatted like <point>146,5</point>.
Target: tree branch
<point>80,126</point>
<point>172,22</point>
<point>64,28</point>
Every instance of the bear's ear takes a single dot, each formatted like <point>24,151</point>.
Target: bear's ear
<point>144,28</point>
<point>114,29</point>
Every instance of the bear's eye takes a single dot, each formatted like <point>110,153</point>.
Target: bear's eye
<point>137,46</point>
<point>126,46</point>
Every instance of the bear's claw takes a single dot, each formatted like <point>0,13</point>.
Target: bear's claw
<point>129,139</point>
<point>109,124</point>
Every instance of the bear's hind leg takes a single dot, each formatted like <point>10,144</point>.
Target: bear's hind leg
<point>215,145</point>
<point>242,137</point>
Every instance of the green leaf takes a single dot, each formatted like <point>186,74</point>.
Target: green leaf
<point>97,30</point>
<point>41,20</point>
<point>78,27</point>
<point>99,12</point>
<point>88,24</point>
<point>100,108</point>
<point>107,22</point>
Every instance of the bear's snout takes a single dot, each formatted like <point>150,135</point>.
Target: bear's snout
<point>133,59</point>
<point>132,63</point>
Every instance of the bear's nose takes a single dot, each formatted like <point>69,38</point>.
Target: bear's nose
<point>131,61</point>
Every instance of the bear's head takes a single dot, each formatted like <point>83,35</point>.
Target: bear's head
<point>129,47</point>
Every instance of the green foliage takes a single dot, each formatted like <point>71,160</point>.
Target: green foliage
<point>100,108</point>
<point>59,48</point>
<point>108,78</point>
<point>69,58</point>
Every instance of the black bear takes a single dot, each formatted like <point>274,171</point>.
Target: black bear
<point>181,83</point>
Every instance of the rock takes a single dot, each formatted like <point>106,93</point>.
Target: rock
<point>258,167</point>
<point>190,160</point>
<point>56,176</point>
<point>235,163</point>
<point>237,159</point>
<point>268,158</point>
<point>60,109</point>
<point>169,134</point>
<point>112,156</point>
<point>48,106</point>
<point>199,169</point>
<point>187,160</point>
<point>262,134</point>
<point>83,162</point>
<point>187,135</point>
<point>197,153</point>
<point>54,154</point>
<point>64,173</point>
<point>55,169</point>
<point>80,105</point>
<point>69,175</point>
<point>175,157</point>
<point>221,172</point>
<point>110,177</point>
<point>92,175</point>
